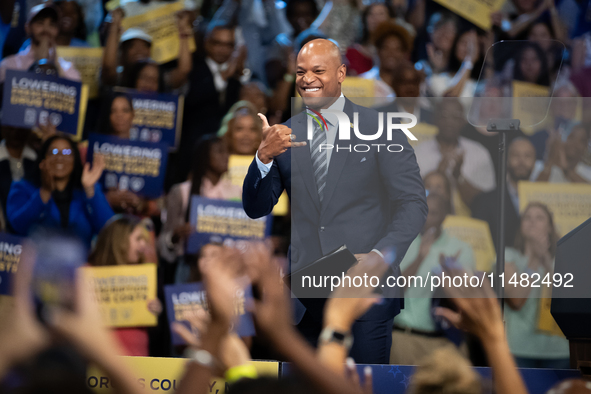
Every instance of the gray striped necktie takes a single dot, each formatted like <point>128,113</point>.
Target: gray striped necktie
<point>319,159</point>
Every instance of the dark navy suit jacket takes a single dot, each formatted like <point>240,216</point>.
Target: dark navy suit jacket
<point>372,200</point>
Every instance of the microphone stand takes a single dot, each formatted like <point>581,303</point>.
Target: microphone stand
<point>502,126</point>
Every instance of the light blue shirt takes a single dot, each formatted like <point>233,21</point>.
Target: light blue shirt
<point>331,135</point>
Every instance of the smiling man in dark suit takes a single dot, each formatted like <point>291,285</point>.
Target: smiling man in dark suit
<point>371,200</point>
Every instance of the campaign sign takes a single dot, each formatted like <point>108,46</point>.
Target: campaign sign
<point>163,375</point>
<point>186,299</point>
<point>130,165</point>
<point>10,255</point>
<point>157,116</point>
<point>223,221</point>
<point>88,62</point>
<point>34,99</point>
<point>122,293</point>
<point>160,24</point>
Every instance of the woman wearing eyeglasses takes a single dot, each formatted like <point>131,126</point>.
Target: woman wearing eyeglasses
<point>63,194</point>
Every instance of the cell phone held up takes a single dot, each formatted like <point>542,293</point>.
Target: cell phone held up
<point>58,256</point>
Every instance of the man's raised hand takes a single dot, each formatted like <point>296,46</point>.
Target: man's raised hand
<point>276,140</point>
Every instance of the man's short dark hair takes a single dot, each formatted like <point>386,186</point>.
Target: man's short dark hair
<point>221,25</point>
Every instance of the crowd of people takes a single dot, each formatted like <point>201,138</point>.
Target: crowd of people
<point>420,57</point>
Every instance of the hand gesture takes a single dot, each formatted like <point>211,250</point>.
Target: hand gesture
<point>556,153</point>
<point>276,140</point>
<point>235,64</point>
<point>450,262</point>
<point>367,386</point>
<point>541,248</point>
<point>91,176</point>
<point>478,316</point>
<point>183,21</point>
<point>480,313</point>
<point>117,17</point>
<point>199,320</point>
<point>155,306</point>
<point>473,50</point>
<point>436,58</point>
<point>458,160</point>
<point>272,313</point>
<point>221,288</point>
<point>496,18</point>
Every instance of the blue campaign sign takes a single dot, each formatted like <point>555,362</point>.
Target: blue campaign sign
<point>222,221</point>
<point>131,165</point>
<point>190,297</point>
<point>157,116</point>
<point>34,99</point>
<point>10,254</point>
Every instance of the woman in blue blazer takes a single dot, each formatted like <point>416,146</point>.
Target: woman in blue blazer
<point>62,195</point>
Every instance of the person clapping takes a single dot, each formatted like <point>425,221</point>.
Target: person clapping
<point>63,194</point>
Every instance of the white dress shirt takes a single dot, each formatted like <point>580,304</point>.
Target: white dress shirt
<point>216,69</point>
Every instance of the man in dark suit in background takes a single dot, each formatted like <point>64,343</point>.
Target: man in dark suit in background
<point>370,201</point>
<point>214,88</point>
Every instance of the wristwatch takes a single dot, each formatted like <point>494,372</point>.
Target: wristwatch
<point>329,335</point>
<point>201,357</point>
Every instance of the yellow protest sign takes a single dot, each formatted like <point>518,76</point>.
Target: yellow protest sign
<point>161,25</point>
<point>123,293</point>
<point>358,87</point>
<point>569,203</point>
<point>423,132</point>
<point>88,62</point>
<point>475,11</point>
<point>237,170</point>
<point>530,104</point>
<point>475,233</point>
<point>162,374</point>
<point>546,321</point>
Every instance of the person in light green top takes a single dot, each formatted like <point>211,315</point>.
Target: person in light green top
<point>415,334</point>
<point>535,247</point>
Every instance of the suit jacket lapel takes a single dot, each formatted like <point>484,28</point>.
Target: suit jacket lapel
<point>301,156</point>
<point>337,162</point>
